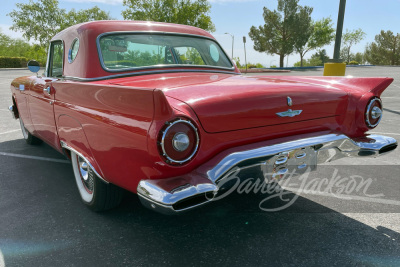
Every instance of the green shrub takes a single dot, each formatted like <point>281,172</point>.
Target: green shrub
<point>353,63</point>
<point>13,62</point>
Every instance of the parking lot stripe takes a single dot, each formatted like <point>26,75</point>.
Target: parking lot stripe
<point>34,157</point>
<point>384,133</point>
<point>346,197</point>
<point>13,131</point>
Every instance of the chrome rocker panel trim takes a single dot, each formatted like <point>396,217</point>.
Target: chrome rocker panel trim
<point>327,147</point>
<point>66,146</point>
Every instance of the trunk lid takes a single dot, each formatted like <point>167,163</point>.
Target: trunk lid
<point>225,102</point>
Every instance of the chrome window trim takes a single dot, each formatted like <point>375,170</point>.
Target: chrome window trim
<point>70,59</point>
<point>165,154</point>
<point>160,66</point>
<point>50,58</point>
<point>146,73</point>
<point>369,124</point>
<point>66,146</point>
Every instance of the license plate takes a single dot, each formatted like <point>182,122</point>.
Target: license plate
<point>292,162</point>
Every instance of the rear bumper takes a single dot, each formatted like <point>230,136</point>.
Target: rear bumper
<point>178,194</point>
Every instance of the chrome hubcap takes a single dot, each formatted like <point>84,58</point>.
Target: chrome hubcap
<point>87,179</point>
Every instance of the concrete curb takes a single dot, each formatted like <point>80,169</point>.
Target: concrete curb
<point>42,68</point>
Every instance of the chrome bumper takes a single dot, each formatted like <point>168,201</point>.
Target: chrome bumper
<point>199,188</point>
<point>12,110</point>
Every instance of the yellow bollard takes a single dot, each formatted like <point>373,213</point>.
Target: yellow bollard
<point>334,69</point>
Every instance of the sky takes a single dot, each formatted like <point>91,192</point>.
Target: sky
<point>237,16</point>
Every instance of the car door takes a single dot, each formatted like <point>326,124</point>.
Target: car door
<point>42,94</point>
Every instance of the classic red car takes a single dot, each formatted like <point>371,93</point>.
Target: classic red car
<point>160,110</point>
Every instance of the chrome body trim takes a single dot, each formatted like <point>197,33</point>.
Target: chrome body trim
<point>11,109</point>
<point>66,146</point>
<point>370,125</point>
<point>165,154</point>
<point>304,152</point>
<point>160,71</point>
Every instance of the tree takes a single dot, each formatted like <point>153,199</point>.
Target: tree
<point>359,57</point>
<point>75,17</point>
<point>10,47</point>
<point>187,12</point>
<point>321,55</point>
<point>319,33</point>
<point>385,50</point>
<point>278,34</point>
<point>237,62</point>
<point>349,39</point>
<point>43,19</point>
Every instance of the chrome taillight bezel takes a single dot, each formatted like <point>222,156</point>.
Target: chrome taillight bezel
<point>164,133</point>
<point>369,110</point>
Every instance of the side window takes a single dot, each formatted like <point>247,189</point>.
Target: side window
<point>56,59</point>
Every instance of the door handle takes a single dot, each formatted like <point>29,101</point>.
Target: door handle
<point>47,90</point>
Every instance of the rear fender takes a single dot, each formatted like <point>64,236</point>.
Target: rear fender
<point>73,138</point>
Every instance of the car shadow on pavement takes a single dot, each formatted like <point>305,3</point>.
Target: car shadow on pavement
<point>43,222</point>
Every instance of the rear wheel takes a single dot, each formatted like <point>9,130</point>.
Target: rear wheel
<point>95,194</point>
<point>28,137</point>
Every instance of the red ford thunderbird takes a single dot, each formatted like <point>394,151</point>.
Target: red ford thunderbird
<point>160,110</point>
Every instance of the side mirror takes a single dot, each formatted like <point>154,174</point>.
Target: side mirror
<point>33,66</point>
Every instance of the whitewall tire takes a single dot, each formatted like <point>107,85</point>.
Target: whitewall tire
<point>95,193</point>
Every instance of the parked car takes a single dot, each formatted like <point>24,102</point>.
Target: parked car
<point>160,110</point>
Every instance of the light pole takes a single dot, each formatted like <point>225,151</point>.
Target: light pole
<point>233,39</point>
<point>244,44</point>
<point>338,41</point>
<point>336,67</point>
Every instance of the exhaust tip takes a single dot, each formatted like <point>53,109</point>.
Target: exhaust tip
<point>387,148</point>
<point>193,201</point>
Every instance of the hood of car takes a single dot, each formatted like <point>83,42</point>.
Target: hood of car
<point>225,102</point>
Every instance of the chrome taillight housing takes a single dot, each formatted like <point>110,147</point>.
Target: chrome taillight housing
<point>179,141</point>
<point>373,113</point>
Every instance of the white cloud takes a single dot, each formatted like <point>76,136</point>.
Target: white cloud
<point>109,2</point>
<point>6,30</point>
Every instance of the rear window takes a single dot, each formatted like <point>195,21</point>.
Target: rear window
<point>127,51</point>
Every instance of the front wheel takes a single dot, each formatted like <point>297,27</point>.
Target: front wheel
<point>95,193</point>
<point>28,137</point>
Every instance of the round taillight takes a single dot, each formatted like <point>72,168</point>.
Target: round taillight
<point>179,141</point>
<point>373,113</point>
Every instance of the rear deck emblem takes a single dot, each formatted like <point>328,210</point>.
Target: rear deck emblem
<point>289,101</point>
<point>289,113</point>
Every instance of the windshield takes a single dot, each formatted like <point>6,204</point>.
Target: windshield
<point>127,51</point>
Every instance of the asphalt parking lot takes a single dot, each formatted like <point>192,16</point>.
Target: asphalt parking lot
<point>43,222</point>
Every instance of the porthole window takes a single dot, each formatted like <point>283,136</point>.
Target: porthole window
<point>73,51</point>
